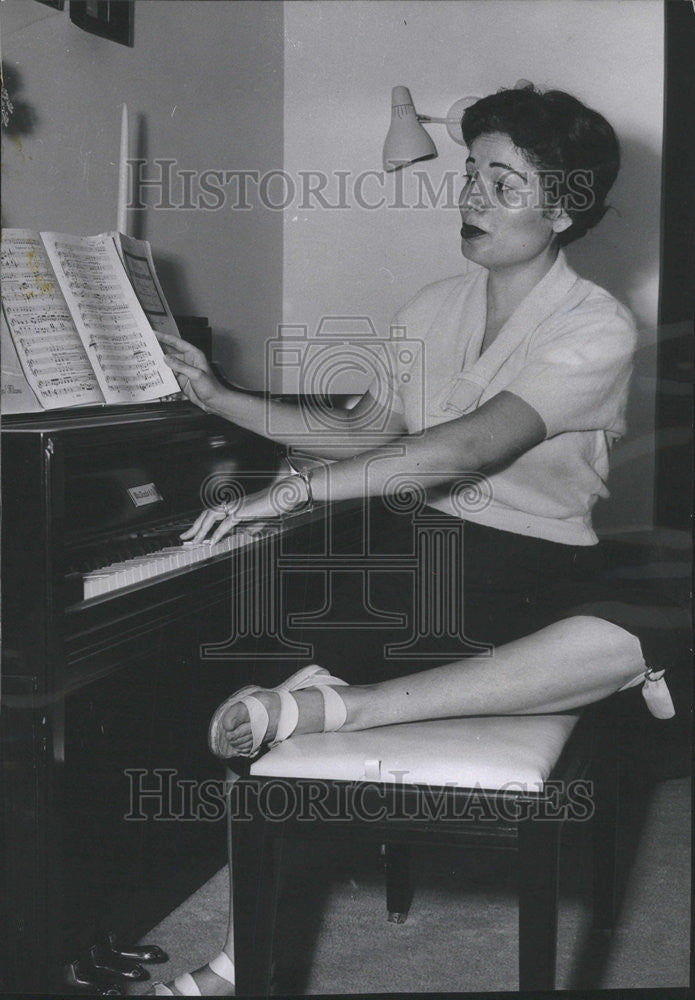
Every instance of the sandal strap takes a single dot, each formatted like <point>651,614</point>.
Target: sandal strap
<point>288,718</point>
<point>223,966</point>
<point>334,711</point>
<point>258,720</point>
<point>311,676</point>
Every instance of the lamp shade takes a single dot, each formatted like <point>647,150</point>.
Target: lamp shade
<point>406,139</point>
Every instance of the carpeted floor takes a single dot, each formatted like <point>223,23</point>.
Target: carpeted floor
<point>460,935</point>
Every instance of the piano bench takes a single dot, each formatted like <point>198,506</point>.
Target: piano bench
<point>504,782</point>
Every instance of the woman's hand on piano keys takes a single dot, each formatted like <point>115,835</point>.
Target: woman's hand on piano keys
<point>251,513</point>
<point>192,369</point>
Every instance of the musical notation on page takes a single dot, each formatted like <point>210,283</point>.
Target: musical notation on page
<point>74,327</point>
<point>46,340</point>
<point>114,309</point>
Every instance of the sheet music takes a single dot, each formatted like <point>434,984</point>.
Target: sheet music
<point>124,352</point>
<point>47,344</point>
<point>137,260</point>
<point>17,397</point>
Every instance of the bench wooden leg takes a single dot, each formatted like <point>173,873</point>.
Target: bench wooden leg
<point>399,891</point>
<point>539,849</point>
<point>605,842</point>
<point>255,870</point>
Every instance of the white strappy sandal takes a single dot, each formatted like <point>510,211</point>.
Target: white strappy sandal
<point>186,985</point>
<point>312,676</point>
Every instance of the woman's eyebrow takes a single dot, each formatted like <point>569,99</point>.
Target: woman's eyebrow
<point>505,166</point>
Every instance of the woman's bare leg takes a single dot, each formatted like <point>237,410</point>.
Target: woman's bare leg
<point>568,664</point>
<point>209,984</point>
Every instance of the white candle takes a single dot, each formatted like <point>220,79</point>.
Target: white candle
<point>121,224</point>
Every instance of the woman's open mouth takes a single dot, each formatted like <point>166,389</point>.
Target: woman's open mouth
<point>469,232</point>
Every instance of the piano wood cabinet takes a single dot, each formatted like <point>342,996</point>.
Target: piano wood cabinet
<point>105,702</point>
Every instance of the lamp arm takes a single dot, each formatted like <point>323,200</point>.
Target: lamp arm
<point>436,121</point>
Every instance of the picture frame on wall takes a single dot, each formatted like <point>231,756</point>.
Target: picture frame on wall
<point>112,19</point>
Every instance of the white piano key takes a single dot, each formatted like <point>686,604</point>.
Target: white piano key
<point>148,567</point>
<point>95,584</point>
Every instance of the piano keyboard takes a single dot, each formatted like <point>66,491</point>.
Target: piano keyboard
<point>106,579</point>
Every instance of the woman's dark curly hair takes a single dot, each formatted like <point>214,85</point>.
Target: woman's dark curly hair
<point>574,147</point>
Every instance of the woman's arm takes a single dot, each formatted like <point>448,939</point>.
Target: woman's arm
<point>341,433</point>
<point>497,432</point>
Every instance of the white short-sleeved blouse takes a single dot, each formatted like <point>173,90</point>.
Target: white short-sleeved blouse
<point>566,351</point>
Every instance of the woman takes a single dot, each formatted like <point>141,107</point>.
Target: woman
<point>523,375</point>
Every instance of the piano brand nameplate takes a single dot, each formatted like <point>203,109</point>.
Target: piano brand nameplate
<point>142,495</point>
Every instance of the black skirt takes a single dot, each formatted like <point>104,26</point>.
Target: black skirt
<point>430,589</point>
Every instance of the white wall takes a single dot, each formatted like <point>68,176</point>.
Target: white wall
<point>341,60</point>
<point>203,84</point>
<point>208,82</point>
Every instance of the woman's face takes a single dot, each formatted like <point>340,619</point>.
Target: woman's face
<point>504,223</point>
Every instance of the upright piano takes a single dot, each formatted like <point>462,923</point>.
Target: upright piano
<point>118,643</point>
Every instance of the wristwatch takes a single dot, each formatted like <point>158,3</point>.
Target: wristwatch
<point>305,476</point>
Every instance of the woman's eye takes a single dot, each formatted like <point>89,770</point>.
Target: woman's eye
<point>508,195</point>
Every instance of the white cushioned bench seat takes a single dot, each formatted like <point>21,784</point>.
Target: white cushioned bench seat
<point>487,752</point>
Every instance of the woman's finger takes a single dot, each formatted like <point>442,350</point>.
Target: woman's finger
<point>224,528</point>
<point>171,340</point>
<point>212,517</point>
<point>168,338</point>
<point>202,525</point>
<point>182,367</point>
<point>189,532</point>
<point>252,516</point>
<point>182,348</point>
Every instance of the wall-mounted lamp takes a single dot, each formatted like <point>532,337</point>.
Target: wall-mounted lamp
<point>407,140</point>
